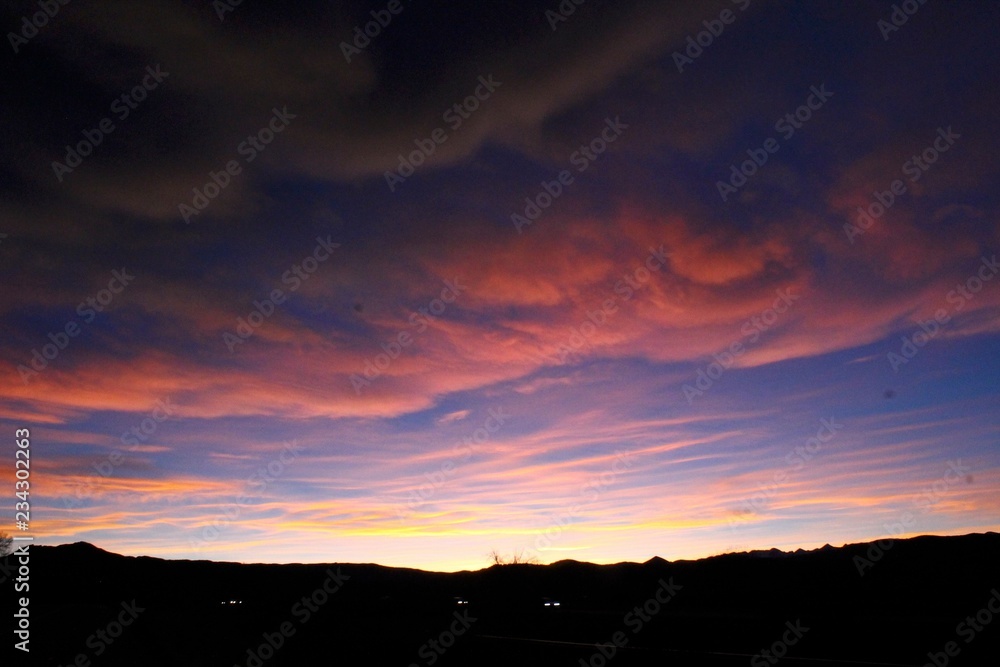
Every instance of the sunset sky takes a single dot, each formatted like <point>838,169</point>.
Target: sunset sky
<point>592,285</point>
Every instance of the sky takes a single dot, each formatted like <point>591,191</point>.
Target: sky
<point>408,282</point>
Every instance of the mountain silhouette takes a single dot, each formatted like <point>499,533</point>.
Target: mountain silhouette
<point>892,602</point>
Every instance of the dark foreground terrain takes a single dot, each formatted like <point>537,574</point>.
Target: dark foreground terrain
<point>918,600</point>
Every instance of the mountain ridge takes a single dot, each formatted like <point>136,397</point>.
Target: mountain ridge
<point>889,601</point>
<point>88,548</point>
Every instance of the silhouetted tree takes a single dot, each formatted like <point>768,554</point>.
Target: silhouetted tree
<point>518,558</point>
<point>5,543</point>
